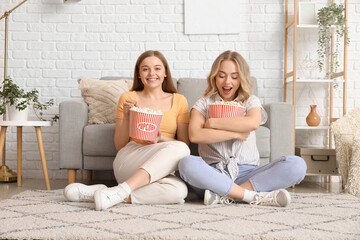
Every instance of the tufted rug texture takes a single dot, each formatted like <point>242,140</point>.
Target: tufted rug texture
<point>46,215</point>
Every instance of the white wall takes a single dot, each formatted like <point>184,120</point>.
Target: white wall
<point>52,44</point>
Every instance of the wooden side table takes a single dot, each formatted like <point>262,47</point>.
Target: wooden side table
<point>20,125</point>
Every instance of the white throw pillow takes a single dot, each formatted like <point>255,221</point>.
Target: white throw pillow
<point>102,97</point>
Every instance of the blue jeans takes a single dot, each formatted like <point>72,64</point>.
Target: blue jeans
<point>282,173</point>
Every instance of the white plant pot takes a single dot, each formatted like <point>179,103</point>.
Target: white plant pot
<point>16,114</point>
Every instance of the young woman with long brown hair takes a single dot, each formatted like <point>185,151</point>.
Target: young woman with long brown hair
<point>144,169</point>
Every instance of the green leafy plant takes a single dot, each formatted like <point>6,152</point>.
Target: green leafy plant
<point>332,16</point>
<point>12,94</point>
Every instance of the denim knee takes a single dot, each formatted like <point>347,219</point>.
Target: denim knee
<point>185,168</point>
<point>298,167</point>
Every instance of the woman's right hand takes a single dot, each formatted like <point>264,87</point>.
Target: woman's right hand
<point>127,105</point>
<point>156,140</point>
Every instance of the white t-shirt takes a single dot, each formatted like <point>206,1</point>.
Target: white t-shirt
<point>231,152</point>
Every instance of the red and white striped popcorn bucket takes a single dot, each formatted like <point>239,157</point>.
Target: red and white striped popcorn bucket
<point>225,111</point>
<point>144,126</point>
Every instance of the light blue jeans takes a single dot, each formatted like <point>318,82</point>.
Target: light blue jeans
<point>282,173</point>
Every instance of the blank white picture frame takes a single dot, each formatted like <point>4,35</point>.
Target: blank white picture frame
<point>307,13</point>
<point>212,16</point>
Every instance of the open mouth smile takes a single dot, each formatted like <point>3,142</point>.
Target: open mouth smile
<point>226,90</point>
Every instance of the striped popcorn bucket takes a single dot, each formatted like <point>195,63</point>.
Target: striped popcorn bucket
<point>144,126</point>
<point>225,111</point>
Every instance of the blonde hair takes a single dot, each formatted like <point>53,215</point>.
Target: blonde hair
<point>245,88</point>
<point>167,85</point>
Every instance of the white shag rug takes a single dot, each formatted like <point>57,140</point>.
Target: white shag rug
<point>44,214</point>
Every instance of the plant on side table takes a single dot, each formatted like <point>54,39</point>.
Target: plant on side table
<point>332,16</point>
<point>11,94</point>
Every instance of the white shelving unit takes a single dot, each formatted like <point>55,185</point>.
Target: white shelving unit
<point>312,128</point>
<point>290,77</point>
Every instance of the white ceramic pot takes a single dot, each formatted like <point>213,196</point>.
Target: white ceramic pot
<point>16,114</point>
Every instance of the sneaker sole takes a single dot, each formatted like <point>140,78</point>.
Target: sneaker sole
<point>288,197</point>
<point>97,201</point>
<point>207,195</point>
<point>70,186</point>
<point>65,193</point>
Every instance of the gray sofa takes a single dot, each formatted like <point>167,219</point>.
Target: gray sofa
<point>86,146</point>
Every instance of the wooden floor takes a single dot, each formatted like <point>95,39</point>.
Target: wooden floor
<point>9,189</point>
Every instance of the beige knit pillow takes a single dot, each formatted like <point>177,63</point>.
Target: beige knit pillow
<point>353,182</point>
<point>344,130</point>
<point>102,97</point>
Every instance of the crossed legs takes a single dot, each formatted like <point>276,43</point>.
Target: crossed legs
<point>144,176</point>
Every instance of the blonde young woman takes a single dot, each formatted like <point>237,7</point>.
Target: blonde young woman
<point>227,168</point>
<point>144,169</point>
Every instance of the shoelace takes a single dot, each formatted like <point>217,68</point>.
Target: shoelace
<point>114,194</point>
<point>226,200</point>
<point>269,198</point>
<point>84,195</point>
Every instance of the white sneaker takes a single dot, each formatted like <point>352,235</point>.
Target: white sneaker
<point>211,198</point>
<point>279,198</point>
<point>78,192</point>
<point>109,197</point>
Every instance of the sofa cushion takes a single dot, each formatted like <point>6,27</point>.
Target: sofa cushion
<point>192,89</point>
<point>102,97</point>
<point>98,140</point>
<point>263,141</point>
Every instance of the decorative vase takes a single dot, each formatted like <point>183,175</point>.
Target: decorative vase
<point>313,119</point>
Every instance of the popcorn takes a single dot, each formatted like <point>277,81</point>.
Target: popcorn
<point>221,109</point>
<point>144,123</point>
<point>146,110</point>
<point>231,103</point>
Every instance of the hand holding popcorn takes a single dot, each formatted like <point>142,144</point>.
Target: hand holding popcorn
<point>128,104</point>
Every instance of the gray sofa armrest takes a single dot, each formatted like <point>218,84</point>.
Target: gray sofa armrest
<point>73,118</point>
<point>281,124</point>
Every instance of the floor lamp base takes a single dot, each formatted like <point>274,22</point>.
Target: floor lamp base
<point>7,175</point>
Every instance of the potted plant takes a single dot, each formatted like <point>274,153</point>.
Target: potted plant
<point>11,94</point>
<point>332,16</point>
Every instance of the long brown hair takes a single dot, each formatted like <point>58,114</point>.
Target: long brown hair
<point>245,88</point>
<point>167,85</point>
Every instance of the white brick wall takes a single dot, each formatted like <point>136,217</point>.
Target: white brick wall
<point>52,44</point>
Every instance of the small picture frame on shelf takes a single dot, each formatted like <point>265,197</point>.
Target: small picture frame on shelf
<point>307,13</point>
<point>308,67</point>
